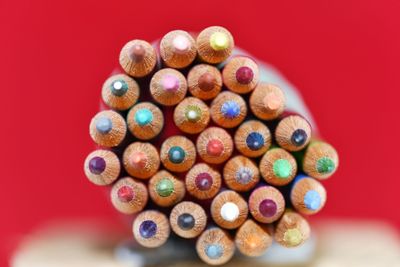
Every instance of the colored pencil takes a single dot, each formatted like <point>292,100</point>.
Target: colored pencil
<point>166,189</point>
<point>188,219</point>
<point>141,160</point>
<point>202,181</point>
<point>320,160</point>
<point>120,92</point>
<point>214,44</point>
<point>102,167</point>
<point>138,58</point>
<point>291,230</point>
<point>168,87</point>
<point>240,75</point>
<point>267,101</point>
<point>204,81</point>
<point>151,228</point>
<point>108,128</point>
<point>129,196</point>
<point>241,174</point>
<point>252,138</point>
<point>229,210</point>
<point>293,133</point>
<point>215,246</point>
<point>308,196</point>
<point>178,153</point>
<point>266,204</point>
<point>178,49</point>
<point>145,120</point>
<point>191,115</point>
<point>278,167</point>
<point>228,109</point>
<point>214,145</point>
<point>253,239</point>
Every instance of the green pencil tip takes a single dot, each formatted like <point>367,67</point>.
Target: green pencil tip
<point>282,168</point>
<point>165,187</point>
<point>325,165</point>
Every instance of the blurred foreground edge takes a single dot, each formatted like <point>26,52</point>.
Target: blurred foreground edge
<point>339,243</point>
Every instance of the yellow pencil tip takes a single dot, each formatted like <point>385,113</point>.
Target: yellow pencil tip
<point>293,237</point>
<point>219,41</point>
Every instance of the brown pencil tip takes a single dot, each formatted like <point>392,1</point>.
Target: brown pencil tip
<point>137,52</point>
<point>206,82</point>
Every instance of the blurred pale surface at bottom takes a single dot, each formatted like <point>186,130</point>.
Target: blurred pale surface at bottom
<point>340,243</point>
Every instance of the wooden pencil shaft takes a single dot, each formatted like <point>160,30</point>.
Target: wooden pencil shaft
<point>129,196</point>
<point>178,49</point>
<point>214,44</point>
<point>188,219</point>
<point>204,81</point>
<point>138,58</point>
<point>240,74</point>
<point>215,246</point>
<point>108,128</point>
<point>120,92</point>
<point>151,228</point>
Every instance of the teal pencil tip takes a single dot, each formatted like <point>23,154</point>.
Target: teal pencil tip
<point>143,116</point>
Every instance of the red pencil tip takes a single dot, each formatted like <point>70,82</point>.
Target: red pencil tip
<point>215,147</point>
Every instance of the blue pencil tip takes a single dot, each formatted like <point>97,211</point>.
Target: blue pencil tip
<point>312,200</point>
<point>214,251</point>
<point>255,141</point>
<point>104,125</point>
<point>230,109</point>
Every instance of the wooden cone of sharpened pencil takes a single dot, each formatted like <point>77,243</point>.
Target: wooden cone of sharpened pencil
<point>204,149</point>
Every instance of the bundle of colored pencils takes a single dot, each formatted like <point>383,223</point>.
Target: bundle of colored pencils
<point>195,146</point>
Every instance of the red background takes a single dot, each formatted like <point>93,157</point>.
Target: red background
<point>54,56</point>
